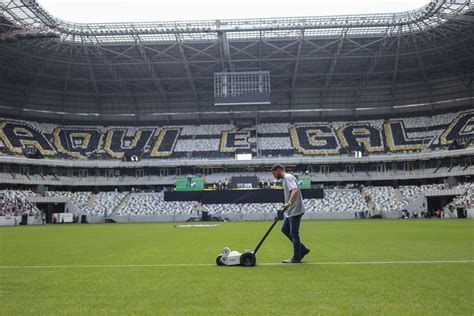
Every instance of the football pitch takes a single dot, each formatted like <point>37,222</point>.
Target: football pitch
<point>355,267</point>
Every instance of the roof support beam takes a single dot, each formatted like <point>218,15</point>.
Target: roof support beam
<point>66,81</point>
<point>187,68</point>
<point>423,70</point>
<point>154,75</point>
<point>463,18</point>
<point>397,57</point>
<point>117,77</point>
<point>276,49</point>
<point>225,52</point>
<point>364,47</point>
<point>420,62</point>
<point>373,63</point>
<point>260,43</point>
<point>332,66</point>
<point>295,69</point>
<point>91,72</point>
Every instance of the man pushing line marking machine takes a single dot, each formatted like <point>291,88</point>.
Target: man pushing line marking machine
<point>292,210</point>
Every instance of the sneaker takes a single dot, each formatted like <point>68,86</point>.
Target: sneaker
<point>305,252</point>
<point>292,260</point>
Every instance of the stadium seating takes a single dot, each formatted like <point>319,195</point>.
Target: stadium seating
<point>383,198</point>
<point>106,202</point>
<point>403,135</point>
<point>103,203</point>
<point>410,192</point>
<point>80,199</point>
<point>14,203</point>
<point>372,199</point>
<point>153,204</point>
<point>467,198</point>
<point>338,201</point>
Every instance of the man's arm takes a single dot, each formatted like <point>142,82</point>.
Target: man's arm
<point>292,199</point>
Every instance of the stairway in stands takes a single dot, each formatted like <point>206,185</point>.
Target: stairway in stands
<point>370,204</point>
<point>398,195</point>
<point>123,202</point>
<point>91,202</point>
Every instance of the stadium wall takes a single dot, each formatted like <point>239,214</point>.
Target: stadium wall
<point>16,220</point>
<point>231,217</point>
<point>10,220</point>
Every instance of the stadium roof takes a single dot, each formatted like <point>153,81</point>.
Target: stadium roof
<point>27,14</point>
<point>346,64</point>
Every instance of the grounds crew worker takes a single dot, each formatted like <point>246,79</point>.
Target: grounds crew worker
<point>293,211</point>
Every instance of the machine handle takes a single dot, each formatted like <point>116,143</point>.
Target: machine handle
<point>279,214</point>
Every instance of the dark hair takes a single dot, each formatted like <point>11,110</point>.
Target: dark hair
<point>278,167</point>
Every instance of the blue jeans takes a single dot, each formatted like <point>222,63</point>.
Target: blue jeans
<point>291,229</point>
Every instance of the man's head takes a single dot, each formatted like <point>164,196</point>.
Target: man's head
<point>278,171</point>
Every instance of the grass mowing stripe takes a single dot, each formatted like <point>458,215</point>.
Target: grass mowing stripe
<point>261,264</point>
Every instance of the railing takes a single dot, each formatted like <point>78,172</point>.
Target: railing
<point>307,160</point>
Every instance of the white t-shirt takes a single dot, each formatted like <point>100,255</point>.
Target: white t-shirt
<point>289,183</point>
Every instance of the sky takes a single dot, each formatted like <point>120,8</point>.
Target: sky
<point>91,11</point>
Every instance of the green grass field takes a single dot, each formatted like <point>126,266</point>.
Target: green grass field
<point>143,269</point>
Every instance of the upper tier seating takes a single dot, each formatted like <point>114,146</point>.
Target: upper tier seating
<point>210,141</point>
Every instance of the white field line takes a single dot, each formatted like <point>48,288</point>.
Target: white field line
<point>196,225</point>
<point>330,263</point>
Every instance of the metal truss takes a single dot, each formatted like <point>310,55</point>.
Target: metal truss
<point>307,57</point>
<point>25,15</point>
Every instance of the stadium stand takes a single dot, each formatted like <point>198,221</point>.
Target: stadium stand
<point>15,203</point>
<point>153,204</point>
<point>466,199</point>
<point>80,199</point>
<point>383,198</point>
<point>404,135</point>
<point>372,199</point>
<point>106,202</point>
<point>57,178</point>
<point>344,200</point>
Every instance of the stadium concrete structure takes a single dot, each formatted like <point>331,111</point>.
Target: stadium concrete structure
<point>379,100</point>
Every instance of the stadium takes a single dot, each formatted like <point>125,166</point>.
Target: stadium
<point>132,153</point>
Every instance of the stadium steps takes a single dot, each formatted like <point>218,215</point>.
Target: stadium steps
<point>122,203</point>
<point>461,197</point>
<point>91,202</point>
<point>398,195</point>
<point>370,204</point>
<point>32,205</point>
<point>371,207</point>
<point>437,169</point>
